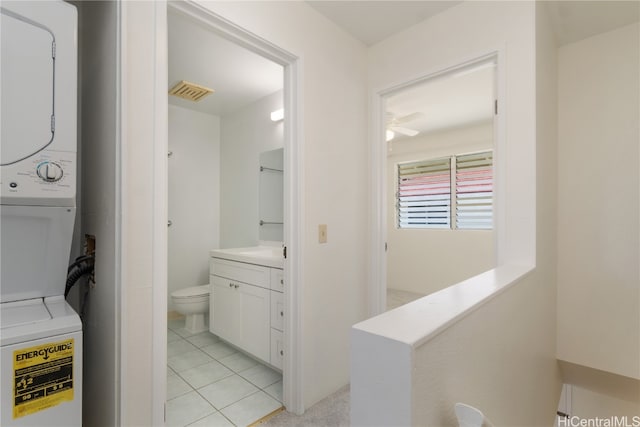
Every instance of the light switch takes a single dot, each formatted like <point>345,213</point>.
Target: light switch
<point>322,233</point>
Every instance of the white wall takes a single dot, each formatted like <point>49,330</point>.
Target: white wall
<point>427,260</point>
<point>142,210</point>
<point>394,61</point>
<point>194,196</point>
<point>99,139</point>
<point>598,197</point>
<point>495,359</point>
<point>589,404</point>
<point>482,339</point>
<point>244,135</point>
<point>546,203</point>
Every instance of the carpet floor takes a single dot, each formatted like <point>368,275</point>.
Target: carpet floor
<point>333,411</point>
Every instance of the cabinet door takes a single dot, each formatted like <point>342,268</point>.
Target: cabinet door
<point>277,348</point>
<point>254,312</point>
<point>277,310</point>
<point>225,310</point>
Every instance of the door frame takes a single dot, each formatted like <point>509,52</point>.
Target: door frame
<point>378,261</point>
<point>293,209</point>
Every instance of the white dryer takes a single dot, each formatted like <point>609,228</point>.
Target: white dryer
<point>40,334</point>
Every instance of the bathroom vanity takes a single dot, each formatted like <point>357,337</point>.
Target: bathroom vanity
<point>246,300</point>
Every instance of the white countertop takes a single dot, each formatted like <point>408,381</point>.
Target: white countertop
<point>269,256</point>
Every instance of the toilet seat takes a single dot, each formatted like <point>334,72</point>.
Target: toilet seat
<point>191,292</point>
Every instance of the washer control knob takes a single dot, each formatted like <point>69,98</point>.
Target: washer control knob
<point>49,171</point>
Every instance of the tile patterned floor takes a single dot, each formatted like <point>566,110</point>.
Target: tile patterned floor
<point>210,383</point>
<point>396,298</point>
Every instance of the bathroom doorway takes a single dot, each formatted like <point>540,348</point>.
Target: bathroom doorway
<point>438,191</point>
<point>217,147</point>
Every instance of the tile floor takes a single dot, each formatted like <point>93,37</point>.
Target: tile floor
<point>396,297</point>
<point>210,383</point>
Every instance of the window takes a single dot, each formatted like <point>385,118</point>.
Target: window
<point>424,194</point>
<point>452,193</point>
<point>474,191</point>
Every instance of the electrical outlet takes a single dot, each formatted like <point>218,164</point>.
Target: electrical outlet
<point>322,233</point>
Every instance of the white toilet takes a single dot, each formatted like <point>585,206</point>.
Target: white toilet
<point>193,302</point>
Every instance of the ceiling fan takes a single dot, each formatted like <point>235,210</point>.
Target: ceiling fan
<point>394,124</point>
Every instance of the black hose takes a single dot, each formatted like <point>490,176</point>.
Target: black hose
<point>80,260</point>
<point>76,275</point>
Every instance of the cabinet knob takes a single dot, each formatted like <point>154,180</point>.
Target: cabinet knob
<point>282,313</point>
<point>236,286</point>
<point>281,352</point>
<point>282,281</point>
<point>230,285</point>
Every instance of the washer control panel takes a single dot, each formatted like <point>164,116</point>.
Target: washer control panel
<point>46,179</point>
<point>49,171</point>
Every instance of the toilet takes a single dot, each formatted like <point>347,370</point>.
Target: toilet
<point>193,302</point>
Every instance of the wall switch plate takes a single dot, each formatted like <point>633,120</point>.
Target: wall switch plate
<point>322,233</point>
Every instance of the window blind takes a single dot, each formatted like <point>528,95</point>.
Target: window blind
<point>424,194</point>
<point>474,191</point>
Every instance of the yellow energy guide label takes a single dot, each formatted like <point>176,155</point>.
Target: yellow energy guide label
<point>42,377</point>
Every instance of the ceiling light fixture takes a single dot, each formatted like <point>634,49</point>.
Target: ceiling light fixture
<point>277,115</point>
<point>390,135</point>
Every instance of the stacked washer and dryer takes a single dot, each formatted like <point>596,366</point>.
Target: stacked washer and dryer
<point>40,334</point>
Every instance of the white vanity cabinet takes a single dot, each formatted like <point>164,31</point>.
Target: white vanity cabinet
<point>240,315</point>
<point>247,307</point>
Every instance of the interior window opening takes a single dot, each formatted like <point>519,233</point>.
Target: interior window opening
<point>440,182</point>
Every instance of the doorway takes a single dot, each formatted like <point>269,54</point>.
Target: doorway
<point>231,37</point>
<point>437,197</point>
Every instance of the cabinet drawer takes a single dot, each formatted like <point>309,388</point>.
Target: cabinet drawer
<point>247,273</point>
<point>277,348</point>
<point>277,280</point>
<point>277,310</point>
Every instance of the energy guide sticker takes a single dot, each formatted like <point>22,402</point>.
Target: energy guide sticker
<point>42,377</point>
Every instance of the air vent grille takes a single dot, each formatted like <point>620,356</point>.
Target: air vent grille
<point>190,91</point>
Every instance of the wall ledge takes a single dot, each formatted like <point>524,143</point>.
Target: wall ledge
<point>599,381</point>
<point>421,320</point>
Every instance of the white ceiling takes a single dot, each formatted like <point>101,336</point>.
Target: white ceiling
<point>577,20</point>
<point>456,99</point>
<point>374,21</point>
<point>238,76</point>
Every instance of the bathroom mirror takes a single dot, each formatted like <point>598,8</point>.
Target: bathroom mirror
<point>270,205</point>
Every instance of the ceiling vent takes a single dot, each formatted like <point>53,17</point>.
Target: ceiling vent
<point>190,91</point>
